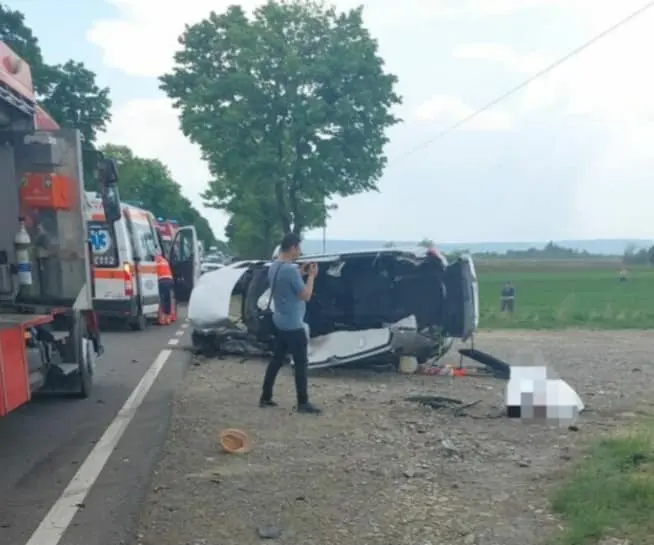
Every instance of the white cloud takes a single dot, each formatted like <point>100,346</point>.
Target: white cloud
<point>606,81</point>
<point>447,110</point>
<point>526,63</point>
<point>151,129</point>
<point>143,39</point>
<point>592,180</point>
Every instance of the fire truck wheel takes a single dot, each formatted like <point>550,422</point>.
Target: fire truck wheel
<point>86,363</point>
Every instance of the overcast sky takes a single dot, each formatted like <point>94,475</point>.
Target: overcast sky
<point>570,156</point>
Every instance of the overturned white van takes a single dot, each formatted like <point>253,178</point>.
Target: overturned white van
<point>366,306</point>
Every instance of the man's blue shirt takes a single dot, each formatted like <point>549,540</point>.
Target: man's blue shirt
<point>287,283</point>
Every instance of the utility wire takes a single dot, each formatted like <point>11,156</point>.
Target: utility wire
<point>523,84</point>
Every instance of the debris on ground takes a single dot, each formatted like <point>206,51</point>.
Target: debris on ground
<point>235,441</point>
<point>375,468</point>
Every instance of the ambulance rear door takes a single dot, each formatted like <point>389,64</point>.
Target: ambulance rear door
<point>143,235</point>
<point>184,259</point>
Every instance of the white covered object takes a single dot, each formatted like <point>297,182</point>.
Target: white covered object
<point>530,389</point>
<point>211,297</point>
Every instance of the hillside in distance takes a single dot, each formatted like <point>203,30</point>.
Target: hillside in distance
<point>607,247</point>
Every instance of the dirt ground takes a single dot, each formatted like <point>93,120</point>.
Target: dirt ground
<point>375,469</point>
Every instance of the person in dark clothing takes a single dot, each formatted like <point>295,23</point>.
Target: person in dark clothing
<point>507,298</point>
<point>289,295</point>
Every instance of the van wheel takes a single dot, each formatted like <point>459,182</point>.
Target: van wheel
<point>139,323</point>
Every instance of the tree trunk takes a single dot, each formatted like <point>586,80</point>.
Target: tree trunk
<point>284,216</point>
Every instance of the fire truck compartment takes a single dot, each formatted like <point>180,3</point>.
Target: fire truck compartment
<point>45,268</point>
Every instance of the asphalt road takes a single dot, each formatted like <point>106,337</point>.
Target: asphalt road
<point>43,444</point>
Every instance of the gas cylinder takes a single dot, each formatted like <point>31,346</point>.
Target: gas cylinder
<point>22,243</point>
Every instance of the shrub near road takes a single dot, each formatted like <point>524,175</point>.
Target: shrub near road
<point>571,293</point>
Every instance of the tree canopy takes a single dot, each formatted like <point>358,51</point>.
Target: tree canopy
<point>70,93</point>
<point>149,183</point>
<point>290,108</point>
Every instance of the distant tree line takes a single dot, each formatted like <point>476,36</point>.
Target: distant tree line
<point>638,256</point>
<point>632,255</point>
<point>550,251</point>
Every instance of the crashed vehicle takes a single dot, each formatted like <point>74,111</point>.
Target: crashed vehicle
<point>367,307</point>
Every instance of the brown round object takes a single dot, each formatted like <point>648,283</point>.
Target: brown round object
<point>235,441</point>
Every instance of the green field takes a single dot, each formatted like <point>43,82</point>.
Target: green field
<point>559,294</point>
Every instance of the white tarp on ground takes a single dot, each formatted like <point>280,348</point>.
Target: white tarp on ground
<point>541,398</point>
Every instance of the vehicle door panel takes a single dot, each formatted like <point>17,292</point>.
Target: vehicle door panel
<point>135,255</point>
<point>106,251</point>
<point>184,261</point>
<point>461,308</point>
<point>212,303</point>
<point>148,246</point>
<point>345,347</point>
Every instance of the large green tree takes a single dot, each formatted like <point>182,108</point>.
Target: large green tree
<point>19,37</point>
<point>290,107</point>
<point>150,183</point>
<point>68,91</point>
<point>74,99</point>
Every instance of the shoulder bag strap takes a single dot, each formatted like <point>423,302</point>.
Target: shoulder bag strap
<point>272,285</point>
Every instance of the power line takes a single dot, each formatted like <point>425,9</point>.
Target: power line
<point>523,84</point>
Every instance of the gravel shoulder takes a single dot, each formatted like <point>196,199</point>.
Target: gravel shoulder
<point>376,469</point>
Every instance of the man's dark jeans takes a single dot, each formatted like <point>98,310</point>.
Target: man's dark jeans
<point>293,342</point>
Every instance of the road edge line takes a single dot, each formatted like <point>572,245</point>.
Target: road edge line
<point>55,523</point>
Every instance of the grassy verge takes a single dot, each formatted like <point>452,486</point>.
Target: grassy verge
<point>610,492</point>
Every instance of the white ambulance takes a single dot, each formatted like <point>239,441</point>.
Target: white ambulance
<point>124,268</point>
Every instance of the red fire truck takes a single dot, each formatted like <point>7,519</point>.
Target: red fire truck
<point>45,266</point>
<point>167,230</point>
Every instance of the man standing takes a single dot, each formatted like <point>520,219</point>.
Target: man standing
<point>289,296</point>
<point>508,298</point>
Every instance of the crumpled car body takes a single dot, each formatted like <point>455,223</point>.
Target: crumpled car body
<point>366,306</point>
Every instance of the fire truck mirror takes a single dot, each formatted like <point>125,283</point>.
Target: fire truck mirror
<point>108,177</point>
<point>107,171</point>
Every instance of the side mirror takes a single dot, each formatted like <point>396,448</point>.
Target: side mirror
<point>108,177</point>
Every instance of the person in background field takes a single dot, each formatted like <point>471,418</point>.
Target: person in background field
<point>507,298</point>
<point>165,277</point>
<point>289,295</point>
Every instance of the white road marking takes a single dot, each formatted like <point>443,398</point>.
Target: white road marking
<point>179,333</point>
<point>184,326</point>
<point>56,522</point>
<point>173,341</point>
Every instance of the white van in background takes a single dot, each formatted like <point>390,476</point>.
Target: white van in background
<point>125,283</point>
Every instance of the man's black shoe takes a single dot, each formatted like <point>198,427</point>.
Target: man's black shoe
<point>308,408</point>
<point>267,403</point>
